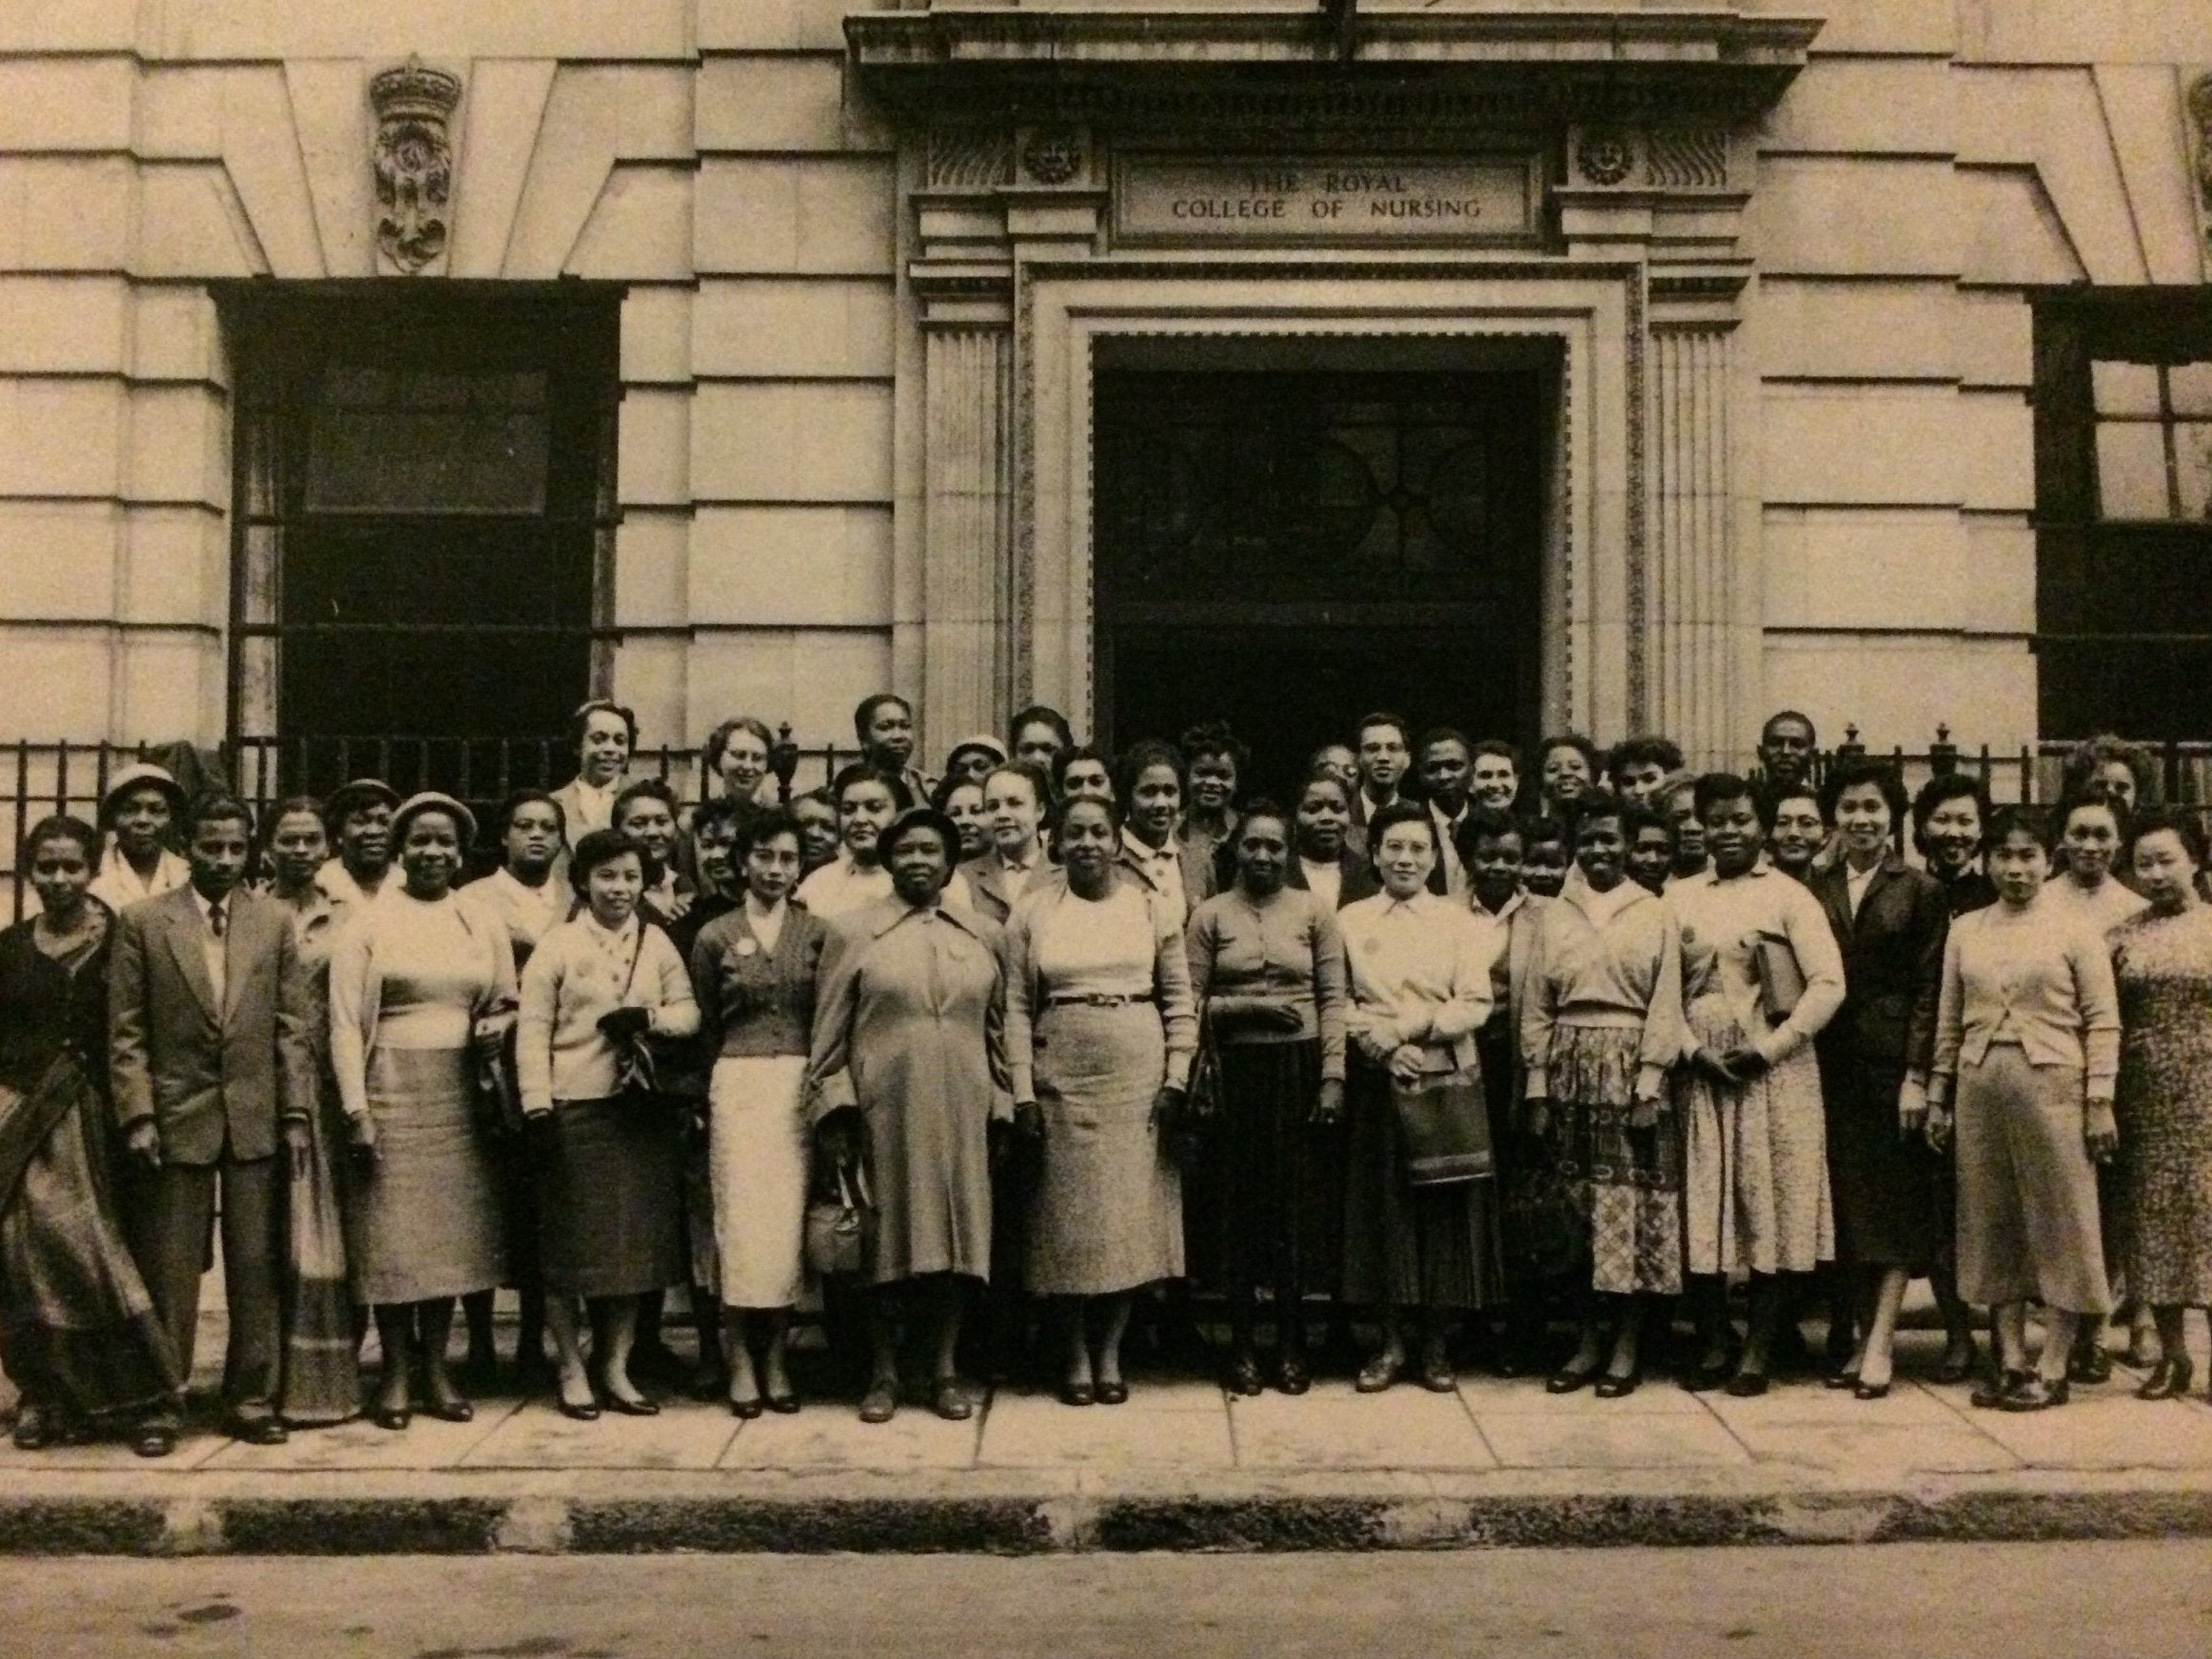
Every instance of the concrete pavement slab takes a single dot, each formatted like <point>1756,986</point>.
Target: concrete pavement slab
<point>537,1436</point>
<point>1489,1396</point>
<point>1035,1431</point>
<point>424,1443</point>
<point>1908,1403</point>
<point>1895,1449</point>
<point>828,1434</point>
<point>1624,1440</point>
<point>1336,1428</point>
<point>193,1450</point>
<point>2102,1429</point>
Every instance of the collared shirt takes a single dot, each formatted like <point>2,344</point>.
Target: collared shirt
<point>619,945</point>
<point>1448,850</point>
<point>1734,915</point>
<point>1856,881</point>
<point>1418,971</point>
<point>347,894</point>
<point>1016,877</point>
<point>594,808</point>
<point>1162,868</point>
<point>118,885</point>
<point>1325,879</point>
<point>842,886</point>
<point>213,949</point>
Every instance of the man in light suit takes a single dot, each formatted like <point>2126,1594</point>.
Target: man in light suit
<point>213,1076</point>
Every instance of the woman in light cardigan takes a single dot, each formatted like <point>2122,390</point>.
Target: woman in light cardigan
<point>2027,1059</point>
<point>421,988</point>
<point>606,1148</point>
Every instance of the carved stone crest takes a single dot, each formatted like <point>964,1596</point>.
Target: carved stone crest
<point>413,161</point>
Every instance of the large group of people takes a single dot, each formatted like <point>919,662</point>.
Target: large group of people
<point>1462,1048</point>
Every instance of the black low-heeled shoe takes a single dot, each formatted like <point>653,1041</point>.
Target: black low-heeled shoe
<point>454,1410</point>
<point>1567,1379</point>
<point>1113,1394</point>
<point>1293,1375</point>
<point>637,1408</point>
<point>2037,1395</point>
<point>35,1429</point>
<point>393,1417</point>
<point>2169,1379</point>
<point>1704,1378</point>
<point>587,1412</point>
<point>1868,1391</point>
<point>745,1410</point>
<point>2089,1366</point>
<point>784,1404</point>
<point>1993,1392</point>
<point>1378,1374</point>
<point>1748,1385</point>
<point>1081,1393</point>
<point>154,1439</point>
<point>1241,1376</point>
<point>1610,1387</point>
<point>1841,1379</point>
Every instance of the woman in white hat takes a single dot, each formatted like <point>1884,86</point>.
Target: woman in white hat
<point>420,985</point>
<point>136,810</point>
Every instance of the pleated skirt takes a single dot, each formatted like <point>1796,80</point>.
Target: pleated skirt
<point>1408,1246</point>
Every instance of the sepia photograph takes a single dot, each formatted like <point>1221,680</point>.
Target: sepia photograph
<point>1105,827</point>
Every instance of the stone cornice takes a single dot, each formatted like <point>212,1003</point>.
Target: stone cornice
<point>1137,67</point>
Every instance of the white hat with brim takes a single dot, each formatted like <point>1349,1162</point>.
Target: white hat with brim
<point>141,775</point>
<point>434,800</point>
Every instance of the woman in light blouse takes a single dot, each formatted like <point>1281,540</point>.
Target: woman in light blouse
<point>1601,1021</point>
<point>2026,1054</point>
<point>421,988</point>
<point>1100,1033</point>
<point>1267,965</point>
<point>1755,1177</point>
<point>1013,803</point>
<point>606,1152</point>
<point>754,970</point>
<point>867,799</point>
<point>1420,990</point>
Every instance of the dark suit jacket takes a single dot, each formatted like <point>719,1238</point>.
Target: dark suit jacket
<point>206,1075</point>
<point>1893,962</point>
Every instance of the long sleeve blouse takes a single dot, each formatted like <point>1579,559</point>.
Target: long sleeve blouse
<point>1732,915</point>
<point>579,973</point>
<point>1419,972</point>
<point>1153,963</point>
<point>411,973</point>
<point>756,994</point>
<point>2036,977</point>
<point>1608,960</point>
<point>1289,951</point>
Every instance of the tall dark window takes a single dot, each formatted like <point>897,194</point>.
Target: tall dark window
<point>2124,512</point>
<point>426,488</point>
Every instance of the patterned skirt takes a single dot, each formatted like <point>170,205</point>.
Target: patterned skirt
<point>1755,1178</point>
<point>1629,1180</point>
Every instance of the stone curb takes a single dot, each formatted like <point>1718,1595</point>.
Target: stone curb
<point>467,1516</point>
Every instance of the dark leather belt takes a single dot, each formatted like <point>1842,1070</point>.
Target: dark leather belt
<point>1092,999</point>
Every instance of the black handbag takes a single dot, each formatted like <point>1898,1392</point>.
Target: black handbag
<point>1203,1099</point>
<point>840,1225</point>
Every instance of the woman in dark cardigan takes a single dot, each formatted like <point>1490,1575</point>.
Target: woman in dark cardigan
<point>1889,923</point>
<point>754,971</point>
<point>77,1327</point>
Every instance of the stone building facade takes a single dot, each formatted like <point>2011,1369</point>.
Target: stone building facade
<point>418,367</point>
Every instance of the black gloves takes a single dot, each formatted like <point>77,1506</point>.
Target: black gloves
<point>623,1023</point>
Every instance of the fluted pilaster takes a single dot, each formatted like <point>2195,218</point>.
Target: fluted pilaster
<point>1692,610</point>
<point>966,565</point>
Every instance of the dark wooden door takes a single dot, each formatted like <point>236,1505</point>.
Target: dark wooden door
<point>1286,551</point>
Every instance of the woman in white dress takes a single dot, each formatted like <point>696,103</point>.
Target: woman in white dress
<point>754,973</point>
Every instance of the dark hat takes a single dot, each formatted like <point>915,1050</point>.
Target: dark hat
<point>349,796</point>
<point>919,817</point>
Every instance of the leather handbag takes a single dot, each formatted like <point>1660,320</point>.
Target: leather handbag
<point>840,1225</point>
<point>1204,1096</point>
<point>1443,1130</point>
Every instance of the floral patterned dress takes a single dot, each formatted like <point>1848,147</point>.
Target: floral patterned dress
<point>2163,966</point>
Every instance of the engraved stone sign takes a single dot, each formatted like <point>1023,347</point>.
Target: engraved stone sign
<point>1346,198</point>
